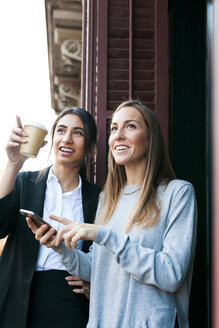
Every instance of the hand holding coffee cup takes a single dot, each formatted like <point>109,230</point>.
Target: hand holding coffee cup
<point>36,134</point>
<point>17,137</point>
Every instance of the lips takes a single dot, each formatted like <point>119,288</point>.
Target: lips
<point>121,147</point>
<point>66,150</point>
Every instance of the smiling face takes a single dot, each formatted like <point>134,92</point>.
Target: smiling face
<point>69,141</point>
<point>128,140</point>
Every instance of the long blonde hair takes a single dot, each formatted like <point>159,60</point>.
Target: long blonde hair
<point>158,171</point>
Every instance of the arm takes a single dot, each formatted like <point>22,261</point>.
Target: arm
<point>166,268</point>
<point>8,179</point>
<point>76,262</point>
<point>15,159</point>
<point>8,204</point>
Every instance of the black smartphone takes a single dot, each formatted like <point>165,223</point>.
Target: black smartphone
<point>35,218</point>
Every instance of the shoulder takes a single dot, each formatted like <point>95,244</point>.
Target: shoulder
<point>177,184</point>
<point>27,175</point>
<point>32,176</point>
<point>177,187</point>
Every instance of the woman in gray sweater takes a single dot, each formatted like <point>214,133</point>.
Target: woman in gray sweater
<point>140,264</point>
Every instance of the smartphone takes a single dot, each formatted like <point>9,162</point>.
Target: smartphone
<point>35,218</point>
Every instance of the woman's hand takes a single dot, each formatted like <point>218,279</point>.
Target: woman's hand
<point>15,159</point>
<point>43,234</point>
<point>71,233</point>
<point>18,136</point>
<point>84,286</point>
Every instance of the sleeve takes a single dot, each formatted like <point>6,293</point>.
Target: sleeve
<point>9,207</point>
<point>76,262</point>
<point>8,213</point>
<point>167,268</point>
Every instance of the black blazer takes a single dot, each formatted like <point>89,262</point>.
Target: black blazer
<point>18,259</point>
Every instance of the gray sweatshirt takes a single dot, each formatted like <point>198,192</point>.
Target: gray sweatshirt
<point>141,279</point>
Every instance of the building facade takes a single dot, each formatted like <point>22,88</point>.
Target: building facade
<point>102,52</point>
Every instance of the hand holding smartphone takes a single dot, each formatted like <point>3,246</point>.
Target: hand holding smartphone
<point>38,221</point>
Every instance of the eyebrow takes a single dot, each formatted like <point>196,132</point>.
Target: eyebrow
<point>127,121</point>
<point>76,127</point>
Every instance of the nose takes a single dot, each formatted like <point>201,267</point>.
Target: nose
<point>67,138</point>
<point>119,133</point>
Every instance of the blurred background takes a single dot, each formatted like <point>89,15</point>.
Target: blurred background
<point>24,72</point>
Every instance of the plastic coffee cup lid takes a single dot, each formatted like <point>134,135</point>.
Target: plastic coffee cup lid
<point>37,125</point>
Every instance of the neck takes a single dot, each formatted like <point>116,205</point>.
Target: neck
<point>135,175</point>
<point>68,177</point>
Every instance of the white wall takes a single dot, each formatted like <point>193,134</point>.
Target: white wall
<point>24,75</point>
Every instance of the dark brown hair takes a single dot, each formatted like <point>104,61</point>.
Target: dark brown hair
<point>90,133</point>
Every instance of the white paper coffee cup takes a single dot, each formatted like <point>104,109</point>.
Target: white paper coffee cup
<point>36,134</point>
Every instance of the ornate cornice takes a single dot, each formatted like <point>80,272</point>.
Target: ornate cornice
<point>64,32</point>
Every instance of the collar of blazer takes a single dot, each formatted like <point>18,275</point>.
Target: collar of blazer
<point>90,192</point>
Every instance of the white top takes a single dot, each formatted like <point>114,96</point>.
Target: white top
<point>68,205</point>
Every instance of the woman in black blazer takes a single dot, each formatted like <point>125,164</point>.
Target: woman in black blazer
<point>31,295</point>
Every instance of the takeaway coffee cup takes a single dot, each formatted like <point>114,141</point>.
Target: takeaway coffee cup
<point>36,134</point>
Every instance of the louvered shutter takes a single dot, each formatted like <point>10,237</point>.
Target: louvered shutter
<point>131,62</point>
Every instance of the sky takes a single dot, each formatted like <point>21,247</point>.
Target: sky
<point>24,73</point>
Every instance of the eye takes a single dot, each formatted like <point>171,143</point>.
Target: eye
<point>60,130</point>
<point>131,126</point>
<point>113,129</point>
<point>79,133</point>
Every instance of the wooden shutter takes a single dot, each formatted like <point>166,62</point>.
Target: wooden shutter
<point>131,62</point>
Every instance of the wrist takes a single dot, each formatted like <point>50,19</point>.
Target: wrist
<point>14,166</point>
<point>8,178</point>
